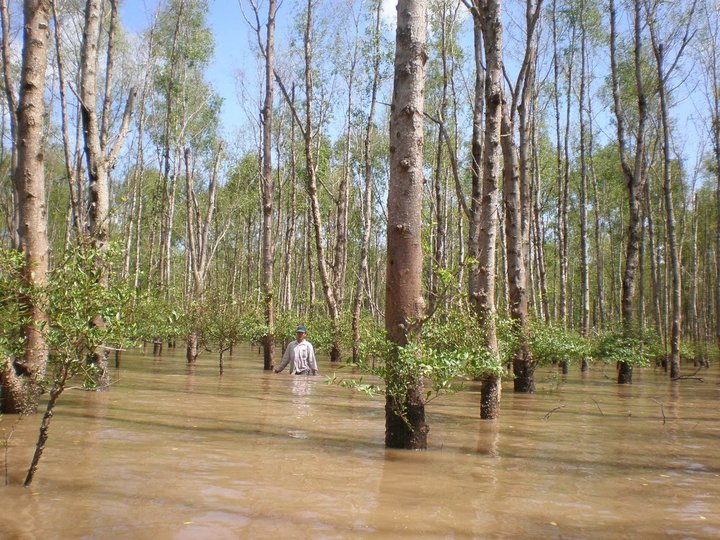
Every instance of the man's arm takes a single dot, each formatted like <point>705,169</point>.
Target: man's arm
<point>286,357</point>
<point>312,361</point>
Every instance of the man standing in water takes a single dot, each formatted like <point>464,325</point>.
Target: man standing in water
<point>302,355</point>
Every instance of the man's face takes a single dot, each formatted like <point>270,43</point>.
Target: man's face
<point>300,336</point>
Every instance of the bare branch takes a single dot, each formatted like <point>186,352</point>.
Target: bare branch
<point>124,127</point>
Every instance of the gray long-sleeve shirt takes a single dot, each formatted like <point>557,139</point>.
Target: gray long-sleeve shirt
<point>302,356</point>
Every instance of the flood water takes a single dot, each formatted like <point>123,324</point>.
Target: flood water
<point>184,453</point>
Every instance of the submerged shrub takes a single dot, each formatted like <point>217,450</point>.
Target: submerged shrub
<point>633,348</point>
<point>447,349</point>
<point>552,344</point>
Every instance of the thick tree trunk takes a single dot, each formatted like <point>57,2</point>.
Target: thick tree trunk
<point>405,425</point>
<point>29,182</point>
<point>96,166</point>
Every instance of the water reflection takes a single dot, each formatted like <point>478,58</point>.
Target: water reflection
<point>176,451</point>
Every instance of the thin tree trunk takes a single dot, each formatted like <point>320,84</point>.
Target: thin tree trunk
<point>561,303</point>
<point>694,322</point>
<point>634,177</point>
<point>367,204</point>
<point>13,220</point>
<point>77,216</point>
<point>599,255</point>
<point>516,203</point>
<point>311,186</point>
<point>659,52</point>
<point>584,271</point>
<point>267,188</point>
<point>565,191</point>
<point>55,393</point>
<point>484,206</point>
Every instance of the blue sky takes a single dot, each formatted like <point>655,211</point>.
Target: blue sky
<point>234,54</point>
<point>232,49</point>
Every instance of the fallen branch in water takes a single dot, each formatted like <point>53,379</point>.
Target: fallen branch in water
<point>552,411</point>
<point>690,377</point>
<point>662,409</point>
<point>598,406</point>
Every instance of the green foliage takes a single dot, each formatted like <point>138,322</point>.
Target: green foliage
<point>447,349</point>
<point>221,325</point>
<point>157,318</point>
<point>13,312</point>
<point>74,300</point>
<point>551,344</point>
<point>252,327</point>
<point>632,348</point>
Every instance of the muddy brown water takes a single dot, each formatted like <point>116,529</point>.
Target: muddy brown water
<point>184,453</point>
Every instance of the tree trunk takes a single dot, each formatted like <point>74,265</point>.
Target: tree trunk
<point>634,177</point>
<point>584,271</point>
<point>561,186</point>
<point>55,393</point>
<point>599,256</point>
<point>13,220</point>
<point>268,188</point>
<point>405,425</point>
<point>523,364</point>
<point>29,182</point>
<point>659,53</point>
<point>516,194</point>
<point>311,186</point>
<point>95,131</point>
<point>200,252</point>
<point>76,222</point>
<point>367,205</point>
<point>565,190</point>
<point>484,211</point>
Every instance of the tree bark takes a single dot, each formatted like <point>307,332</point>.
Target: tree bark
<point>405,425</point>
<point>311,186</point>
<point>29,182</point>
<point>268,188</point>
<point>201,251</point>
<point>517,205</point>
<point>484,206</point>
<point>13,220</point>
<point>663,74</point>
<point>634,177</point>
<point>367,205</point>
<point>584,272</point>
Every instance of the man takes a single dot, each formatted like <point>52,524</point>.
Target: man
<point>302,355</point>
